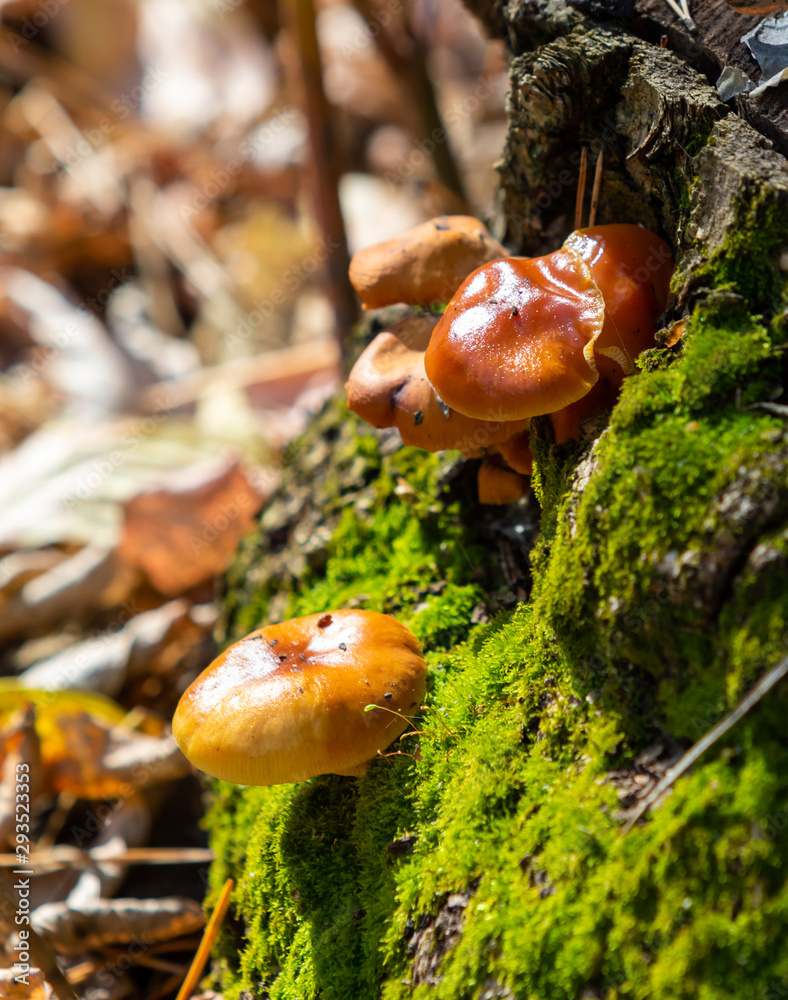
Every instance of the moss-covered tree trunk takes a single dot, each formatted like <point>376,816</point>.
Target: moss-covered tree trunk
<point>577,648</point>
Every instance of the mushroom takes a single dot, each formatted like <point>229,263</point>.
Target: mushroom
<point>498,484</point>
<point>632,267</point>
<point>518,338</point>
<point>388,387</point>
<point>426,264</point>
<point>289,701</point>
<point>552,334</point>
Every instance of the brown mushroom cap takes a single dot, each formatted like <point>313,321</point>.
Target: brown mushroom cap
<point>287,702</point>
<point>516,451</point>
<point>498,484</point>
<point>425,265</point>
<point>632,267</point>
<point>517,339</point>
<point>388,387</point>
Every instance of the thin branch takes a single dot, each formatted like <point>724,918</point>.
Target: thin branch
<point>596,188</point>
<point>753,696</point>
<point>581,188</point>
<point>212,929</point>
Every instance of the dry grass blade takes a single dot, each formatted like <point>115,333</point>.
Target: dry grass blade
<point>753,696</point>
<point>581,188</point>
<point>65,856</point>
<point>212,929</point>
<point>596,188</point>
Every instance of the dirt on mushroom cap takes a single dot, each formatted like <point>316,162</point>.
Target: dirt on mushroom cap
<point>288,701</point>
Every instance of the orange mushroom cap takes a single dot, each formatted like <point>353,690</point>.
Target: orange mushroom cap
<point>632,267</point>
<point>425,265</point>
<point>497,484</point>
<point>517,339</point>
<point>516,450</point>
<point>288,701</point>
<point>388,387</point>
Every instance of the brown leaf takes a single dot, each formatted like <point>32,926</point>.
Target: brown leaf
<point>116,921</point>
<point>33,987</point>
<point>184,534</point>
<point>21,766</point>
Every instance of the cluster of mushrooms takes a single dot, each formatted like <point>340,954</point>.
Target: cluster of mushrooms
<point>520,338</point>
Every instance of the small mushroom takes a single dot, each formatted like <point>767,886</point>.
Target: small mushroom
<point>498,484</point>
<point>516,452</point>
<point>388,387</point>
<point>517,339</point>
<point>425,265</point>
<point>288,701</point>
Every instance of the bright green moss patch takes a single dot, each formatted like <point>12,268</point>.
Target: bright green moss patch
<point>483,856</point>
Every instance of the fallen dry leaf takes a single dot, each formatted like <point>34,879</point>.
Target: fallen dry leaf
<point>22,765</point>
<point>185,533</point>
<point>73,930</point>
<point>105,662</point>
<point>126,825</point>
<point>91,579</point>
<point>92,762</point>
<point>34,988</point>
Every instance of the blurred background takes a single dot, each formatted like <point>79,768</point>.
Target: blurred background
<point>181,185</point>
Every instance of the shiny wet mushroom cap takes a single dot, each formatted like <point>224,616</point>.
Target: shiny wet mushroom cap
<point>388,387</point>
<point>517,339</point>
<point>288,701</point>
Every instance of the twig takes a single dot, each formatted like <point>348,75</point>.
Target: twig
<point>681,10</point>
<point>581,188</point>
<point>596,188</point>
<point>298,16</point>
<point>65,856</point>
<point>304,359</point>
<point>778,409</point>
<point>211,930</point>
<point>413,73</point>
<point>753,696</point>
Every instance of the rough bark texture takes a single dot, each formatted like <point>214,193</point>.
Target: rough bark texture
<point>576,647</point>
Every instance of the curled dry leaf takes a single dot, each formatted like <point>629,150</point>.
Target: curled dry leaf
<point>92,579</point>
<point>22,749</point>
<point>85,748</point>
<point>34,988</point>
<point>185,533</point>
<point>93,762</point>
<point>107,661</point>
<point>18,568</point>
<point>92,926</point>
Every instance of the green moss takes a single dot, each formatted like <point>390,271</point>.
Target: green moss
<point>483,857</point>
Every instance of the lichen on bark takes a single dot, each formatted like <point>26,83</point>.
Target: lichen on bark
<point>570,666</point>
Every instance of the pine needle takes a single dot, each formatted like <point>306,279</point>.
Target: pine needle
<point>211,930</point>
<point>753,696</point>
<point>596,188</point>
<point>581,188</point>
